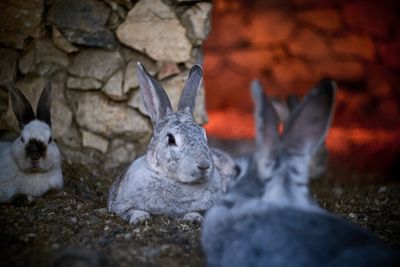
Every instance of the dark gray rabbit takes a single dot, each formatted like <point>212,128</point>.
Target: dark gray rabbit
<point>30,165</point>
<point>179,175</point>
<point>268,217</point>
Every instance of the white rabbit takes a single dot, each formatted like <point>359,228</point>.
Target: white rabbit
<point>178,175</point>
<point>31,164</point>
<point>268,217</point>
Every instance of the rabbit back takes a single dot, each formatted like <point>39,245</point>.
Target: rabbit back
<point>278,237</point>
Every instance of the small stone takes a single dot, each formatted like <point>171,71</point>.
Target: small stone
<point>355,45</point>
<point>94,141</point>
<point>62,43</point>
<point>323,18</point>
<point>73,220</point>
<point>96,63</point>
<point>97,113</point>
<point>43,58</point>
<point>197,21</point>
<point>168,70</point>
<point>8,66</point>
<point>20,19</point>
<point>83,22</point>
<point>352,215</point>
<point>113,87</point>
<point>101,211</point>
<point>83,83</point>
<point>166,41</point>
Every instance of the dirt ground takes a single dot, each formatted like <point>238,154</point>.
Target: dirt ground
<point>76,222</point>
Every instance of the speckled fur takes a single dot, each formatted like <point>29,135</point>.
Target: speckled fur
<point>168,179</point>
<point>268,217</point>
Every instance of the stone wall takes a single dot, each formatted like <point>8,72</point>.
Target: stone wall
<point>88,49</point>
<point>291,44</point>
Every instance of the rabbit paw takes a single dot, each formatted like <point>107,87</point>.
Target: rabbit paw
<point>138,216</point>
<point>193,217</point>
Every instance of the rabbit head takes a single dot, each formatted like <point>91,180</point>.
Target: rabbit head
<point>280,161</point>
<point>178,148</point>
<point>35,150</point>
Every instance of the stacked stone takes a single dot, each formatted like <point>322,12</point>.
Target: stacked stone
<point>88,50</point>
<point>291,44</point>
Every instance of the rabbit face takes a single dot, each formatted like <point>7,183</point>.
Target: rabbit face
<point>35,150</point>
<point>179,149</point>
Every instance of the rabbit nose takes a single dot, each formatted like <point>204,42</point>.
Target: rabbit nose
<point>35,150</point>
<point>204,165</point>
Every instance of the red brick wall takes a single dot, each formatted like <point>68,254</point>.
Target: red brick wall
<point>289,45</point>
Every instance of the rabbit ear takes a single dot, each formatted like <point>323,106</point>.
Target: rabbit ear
<point>21,106</point>
<point>191,89</point>
<point>44,105</point>
<point>154,97</point>
<point>309,122</point>
<point>267,135</point>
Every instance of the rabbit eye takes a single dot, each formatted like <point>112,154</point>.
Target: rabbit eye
<point>171,140</point>
<point>50,139</point>
<point>22,139</point>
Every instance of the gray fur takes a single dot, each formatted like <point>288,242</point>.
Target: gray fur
<point>268,217</point>
<point>179,175</point>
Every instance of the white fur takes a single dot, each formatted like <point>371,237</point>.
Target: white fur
<point>17,176</point>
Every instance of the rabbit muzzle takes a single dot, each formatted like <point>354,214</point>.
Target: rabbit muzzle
<point>35,150</point>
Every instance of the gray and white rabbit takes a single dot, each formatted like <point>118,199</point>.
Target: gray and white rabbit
<point>268,217</point>
<point>31,164</point>
<point>178,175</point>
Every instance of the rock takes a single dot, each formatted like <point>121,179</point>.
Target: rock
<point>136,102</point>
<point>43,58</point>
<point>293,72</point>
<point>268,27</point>
<point>121,152</point>
<point>304,41</point>
<point>113,88</point>
<point>166,41</point>
<point>354,45</point>
<point>168,70</point>
<point>130,75</point>
<point>8,66</point>
<point>95,112</point>
<point>197,22</point>
<point>371,17</point>
<point>83,22</point>
<point>94,141</point>
<point>20,19</point>
<point>61,115</point>
<point>390,53</point>
<point>83,83</point>
<point>62,43</point>
<point>174,87</point>
<point>324,18</point>
<point>221,34</point>
<point>253,61</point>
<point>95,63</point>
<point>380,81</point>
<point>347,70</point>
